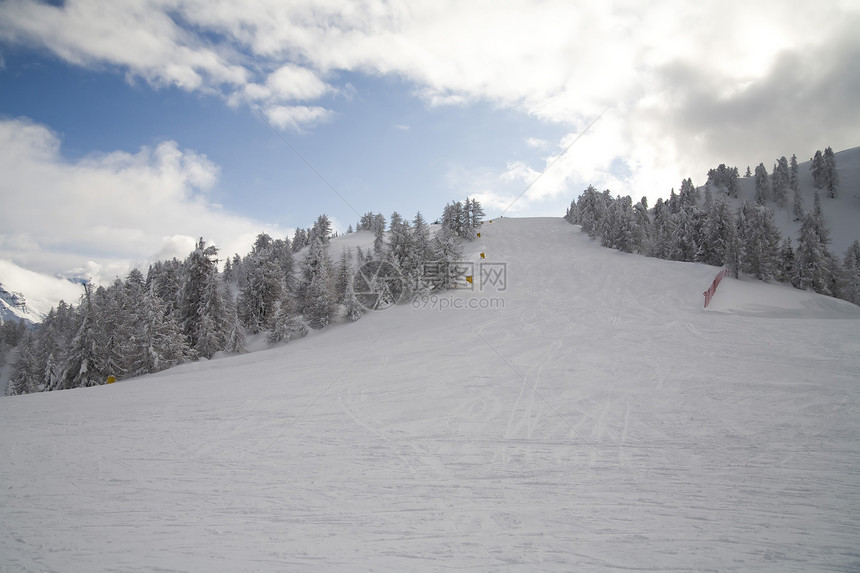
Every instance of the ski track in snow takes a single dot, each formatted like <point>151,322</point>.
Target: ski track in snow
<point>600,421</point>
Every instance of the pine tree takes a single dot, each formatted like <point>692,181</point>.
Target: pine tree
<point>343,276</point>
<point>321,228</point>
<point>810,257</point>
<point>447,254</point>
<point>25,374</point>
<point>287,325</point>
<point>378,229</point>
<point>689,195</point>
<point>300,240</point>
<point>202,313</point>
<point>475,214</point>
<point>760,240</point>
<point>263,282</point>
<point>663,237</point>
<point>81,368</point>
<point>354,309</point>
<point>719,234</point>
<point>798,205</point>
<point>851,271</point>
<point>160,343</point>
<point>641,227</point>
<point>762,191</point>
<point>686,240</point>
<point>817,168</point>
<point>399,240</point>
<point>318,302</point>
<point>830,178</point>
<point>821,229</point>
<point>787,272</point>
<point>781,181</point>
<point>793,178</point>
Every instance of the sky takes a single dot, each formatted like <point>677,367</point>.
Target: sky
<point>129,129</point>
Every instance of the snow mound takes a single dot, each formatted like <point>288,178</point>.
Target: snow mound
<point>755,298</point>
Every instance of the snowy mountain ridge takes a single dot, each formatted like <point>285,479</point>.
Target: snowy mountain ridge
<point>29,295</point>
<point>13,306</point>
<point>841,214</point>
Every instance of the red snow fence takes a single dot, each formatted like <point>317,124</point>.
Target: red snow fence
<point>709,294</point>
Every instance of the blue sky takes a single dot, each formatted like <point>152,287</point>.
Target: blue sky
<point>131,128</point>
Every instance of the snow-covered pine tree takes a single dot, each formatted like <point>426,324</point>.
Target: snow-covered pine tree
<point>399,240</point>
<point>688,235</point>
<point>378,229</point>
<point>811,272</point>
<point>719,233</point>
<point>787,272</point>
<point>300,240</point>
<point>114,322</point>
<point>202,312</point>
<point>821,228</point>
<point>165,277</point>
<point>81,368</point>
<point>287,325</point>
<point>263,283</point>
<point>851,273</point>
<point>641,226</point>
<point>160,342</point>
<point>726,177</point>
<point>793,176</point>
<point>320,229</point>
<point>354,309</point>
<point>343,275</point>
<point>663,235</point>
<point>318,302</point>
<point>689,195</point>
<point>760,239</point>
<point>817,168</point>
<point>446,256</point>
<point>214,325</point>
<point>619,229</point>
<point>475,214</point>
<point>762,186</point>
<point>797,204</point>
<point>833,271</point>
<point>830,176</point>
<point>781,181</point>
<point>592,205</point>
<point>25,373</point>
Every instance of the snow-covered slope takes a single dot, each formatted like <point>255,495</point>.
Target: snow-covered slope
<point>595,418</point>
<point>841,214</point>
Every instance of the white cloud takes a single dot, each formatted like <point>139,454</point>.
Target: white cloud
<point>290,82</point>
<point>119,209</point>
<point>139,35</point>
<point>689,84</point>
<point>296,117</point>
<point>42,292</point>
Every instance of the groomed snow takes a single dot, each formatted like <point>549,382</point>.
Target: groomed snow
<point>602,420</point>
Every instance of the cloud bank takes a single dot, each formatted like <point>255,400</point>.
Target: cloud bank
<point>107,208</point>
<point>687,85</point>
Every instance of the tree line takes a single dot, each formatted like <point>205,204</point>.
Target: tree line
<point>695,228</point>
<point>185,310</point>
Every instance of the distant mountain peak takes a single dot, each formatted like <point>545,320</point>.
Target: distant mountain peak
<point>13,306</point>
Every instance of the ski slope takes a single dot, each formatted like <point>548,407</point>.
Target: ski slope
<point>600,421</point>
